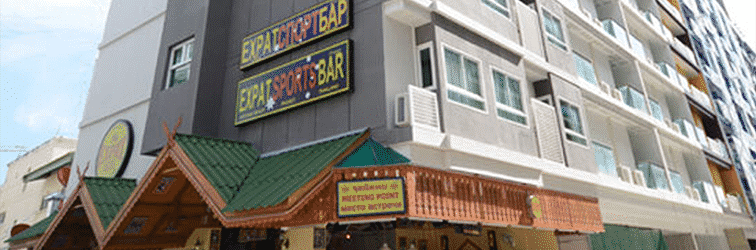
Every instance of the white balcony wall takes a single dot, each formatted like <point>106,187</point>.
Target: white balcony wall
<point>587,6</point>
<point>399,47</point>
<point>623,146</point>
<point>645,148</point>
<point>626,74</point>
<point>676,162</point>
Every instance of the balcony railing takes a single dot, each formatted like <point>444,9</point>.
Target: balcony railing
<point>615,30</point>
<point>438,194</point>
<point>717,147</point>
<point>700,97</point>
<point>683,50</point>
<point>633,98</point>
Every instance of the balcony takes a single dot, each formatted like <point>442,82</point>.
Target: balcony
<point>654,175</point>
<point>668,71</point>
<point>633,98</point>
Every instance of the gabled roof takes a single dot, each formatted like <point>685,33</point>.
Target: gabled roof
<point>372,153</point>
<point>35,230</point>
<point>108,196</point>
<point>276,177</point>
<point>224,163</point>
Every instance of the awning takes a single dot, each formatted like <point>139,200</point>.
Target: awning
<point>49,168</point>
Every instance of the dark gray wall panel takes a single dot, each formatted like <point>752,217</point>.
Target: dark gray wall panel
<point>207,102</point>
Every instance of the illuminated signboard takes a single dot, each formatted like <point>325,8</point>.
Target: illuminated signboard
<point>307,26</point>
<point>370,197</point>
<point>316,76</point>
<point>115,150</point>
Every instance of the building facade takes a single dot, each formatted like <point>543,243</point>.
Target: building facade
<point>121,83</point>
<point>583,123</point>
<point>33,189</point>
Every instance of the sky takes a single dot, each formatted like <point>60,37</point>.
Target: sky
<point>743,12</point>
<point>47,53</point>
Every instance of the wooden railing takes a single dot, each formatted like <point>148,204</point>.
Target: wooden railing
<point>443,195</point>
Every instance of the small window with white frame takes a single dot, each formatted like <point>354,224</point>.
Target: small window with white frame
<point>553,27</point>
<point>573,125</point>
<point>426,66</point>
<point>500,6</point>
<point>508,98</point>
<point>179,63</point>
<point>463,80</point>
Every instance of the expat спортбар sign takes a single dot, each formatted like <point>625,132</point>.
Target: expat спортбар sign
<point>307,26</point>
<point>370,197</point>
<point>316,76</point>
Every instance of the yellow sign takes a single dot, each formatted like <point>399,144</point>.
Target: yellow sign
<point>536,211</point>
<point>371,197</point>
<point>115,150</point>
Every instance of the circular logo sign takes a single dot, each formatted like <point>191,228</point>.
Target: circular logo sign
<point>115,150</point>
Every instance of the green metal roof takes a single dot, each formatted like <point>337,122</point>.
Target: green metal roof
<point>109,195</point>
<point>224,163</point>
<point>49,167</point>
<point>35,230</point>
<point>372,153</point>
<point>276,176</point>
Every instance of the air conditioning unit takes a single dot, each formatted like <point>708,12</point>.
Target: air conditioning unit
<point>625,174</point>
<point>733,202</point>
<point>696,195</point>
<point>689,192</point>
<point>617,94</point>
<point>638,178</point>
<point>597,22</point>
<point>401,110</point>
<point>606,88</point>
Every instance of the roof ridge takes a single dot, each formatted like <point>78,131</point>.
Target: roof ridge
<point>313,143</point>
<point>214,138</point>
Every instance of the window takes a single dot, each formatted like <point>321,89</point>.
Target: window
<point>425,58</point>
<point>604,159</point>
<point>179,64</point>
<point>463,80</point>
<point>553,28</point>
<point>584,69</point>
<point>508,98</point>
<point>500,6</point>
<point>51,203</point>
<point>572,124</point>
<point>2,218</point>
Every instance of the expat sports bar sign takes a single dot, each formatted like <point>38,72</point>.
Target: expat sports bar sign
<point>305,27</point>
<point>370,197</point>
<point>316,76</point>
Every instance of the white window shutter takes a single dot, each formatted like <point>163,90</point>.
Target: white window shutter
<point>547,131</point>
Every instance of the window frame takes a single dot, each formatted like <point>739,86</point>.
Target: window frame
<point>496,6</point>
<point>561,44</point>
<point>419,66</point>
<point>463,91</point>
<point>566,131</point>
<point>506,107</point>
<point>183,45</point>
